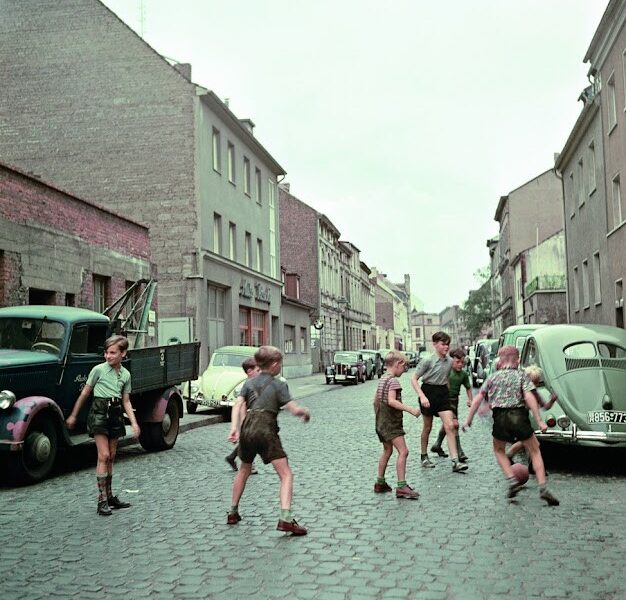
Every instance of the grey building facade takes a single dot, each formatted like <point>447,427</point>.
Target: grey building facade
<point>87,104</point>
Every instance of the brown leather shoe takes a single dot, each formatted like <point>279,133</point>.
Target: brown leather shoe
<point>381,488</point>
<point>291,527</point>
<point>114,502</point>
<point>103,509</point>
<point>233,518</point>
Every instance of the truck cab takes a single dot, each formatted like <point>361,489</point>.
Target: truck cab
<point>46,354</point>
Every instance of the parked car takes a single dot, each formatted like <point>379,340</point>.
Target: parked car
<point>378,365</point>
<point>369,358</point>
<point>585,366</point>
<point>485,353</point>
<point>412,358</point>
<point>220,383</point>
<point>347,367</point>
<point>516,335</point>
<point>383,353</point>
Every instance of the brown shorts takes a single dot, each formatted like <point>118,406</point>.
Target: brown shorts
<point>259,435</point>
<point>437,397</point>
<point>105,418</point>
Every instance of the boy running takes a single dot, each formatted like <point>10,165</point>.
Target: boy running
<point>262,398</point>
<point>509,392</point>
<point>433,398</point>
<point>388,407</point>
<point>458,378</point>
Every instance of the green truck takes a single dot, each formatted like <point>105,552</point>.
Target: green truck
<point>46,354</point>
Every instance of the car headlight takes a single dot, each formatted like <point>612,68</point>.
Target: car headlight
<point>195,388</point>
<point>564,422</point>
<point>7,399</point>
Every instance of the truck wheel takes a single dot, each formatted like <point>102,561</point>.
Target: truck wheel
<point>161,436</point>
<point>192,407</point>
<point>38,454</point>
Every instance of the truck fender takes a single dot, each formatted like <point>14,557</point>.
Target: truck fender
<point>152,407</point>
<point>14,423</point>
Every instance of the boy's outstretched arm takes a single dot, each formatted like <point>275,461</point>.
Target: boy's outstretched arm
<point>391,400</point>
<point>470,396</point>
<point>473,408</point>
<point>298,411</point>
<point>84,394</point>
<point>236,418</point>
<point>418,389</point>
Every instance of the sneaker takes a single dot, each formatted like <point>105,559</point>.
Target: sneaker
<point>546,495</point>
<point>407,492</point>
<point>291,527</point>
<point>427,464</point>
<point>114,502</point>
<point>231,461</point>
<point>103,509</point>
<point>514,489</point>
<point>463,458</point>
<point>381,488</point>
<point>458,467</point>
<point>233,518</point>
<point>439,451</point>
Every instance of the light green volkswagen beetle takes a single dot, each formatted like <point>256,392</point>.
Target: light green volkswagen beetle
<point>585,366</point>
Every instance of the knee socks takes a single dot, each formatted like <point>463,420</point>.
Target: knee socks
<point>109,491</point>
<point>102,486</point>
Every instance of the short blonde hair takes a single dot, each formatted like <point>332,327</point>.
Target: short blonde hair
<point>535,374</point>
<point>266,355</point>
<point>394,356</point>
<point>116,340</point>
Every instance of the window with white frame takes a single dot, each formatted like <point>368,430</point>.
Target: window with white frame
<point>576,284</point>
<point>585,283</point>
<point>592,169</point>
<point>303,343</point>
<point>248,249</point>
<point>619,293</point>
<point>259,255</point>
<point>217,233</point>
<point>231,162</point>
<point>232,241</point>
<point>257,185</point>
<point>597,293</point>
<point>616,202</point>
<point>272,204</point>
<point>290,339</point>
<point>101,287</point>
<point>611,103</point>
<point>246,175</point>
<point>217,151</point>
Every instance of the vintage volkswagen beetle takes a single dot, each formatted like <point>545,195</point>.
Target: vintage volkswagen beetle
<point>585,366</point>
<point>219,385</point>
<point>348,367</point>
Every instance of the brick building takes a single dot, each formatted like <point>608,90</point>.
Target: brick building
<point>89,105</point>
<point>58,249</point>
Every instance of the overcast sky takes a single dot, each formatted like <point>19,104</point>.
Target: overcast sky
<point>403,121</point>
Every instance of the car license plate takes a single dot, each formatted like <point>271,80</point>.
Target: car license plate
<point>606,416</point>
<point>340,377</point>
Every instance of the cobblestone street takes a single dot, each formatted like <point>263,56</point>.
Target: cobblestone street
<point>460,540</point>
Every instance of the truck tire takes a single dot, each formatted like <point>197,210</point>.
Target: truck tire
<point>161,436</point>
<point>36,460</point>
<point>192,407</point>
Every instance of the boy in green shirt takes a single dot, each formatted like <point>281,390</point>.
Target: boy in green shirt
<point>458,377</point>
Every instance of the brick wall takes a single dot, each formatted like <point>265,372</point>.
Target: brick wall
<point>50,240</point>
<point>299,245</point>
<point>94,109</point>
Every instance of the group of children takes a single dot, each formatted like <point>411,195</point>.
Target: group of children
<point>509,392</point>
<point>437,381</point>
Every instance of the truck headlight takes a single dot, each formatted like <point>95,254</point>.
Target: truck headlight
<point>7,399</point>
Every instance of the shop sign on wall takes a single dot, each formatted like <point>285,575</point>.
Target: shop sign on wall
<point>262,293</point>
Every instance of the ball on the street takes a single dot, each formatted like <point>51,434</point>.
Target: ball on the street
<point>521,472</point>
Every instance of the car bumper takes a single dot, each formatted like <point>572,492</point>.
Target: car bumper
<point>583,437</point>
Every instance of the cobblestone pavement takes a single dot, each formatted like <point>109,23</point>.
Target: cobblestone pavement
<point>460,540</point>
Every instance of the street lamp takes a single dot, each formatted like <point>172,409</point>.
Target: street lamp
<point>343,304</point>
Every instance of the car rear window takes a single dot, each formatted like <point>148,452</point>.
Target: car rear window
<point>580,350</point>
<point>608,350</point>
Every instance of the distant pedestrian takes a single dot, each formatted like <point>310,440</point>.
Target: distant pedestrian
<point>257,408</point>
<point>510,396</point>
<point>110,383</point>
<point>388,408</point>
<point>433,398</point>
<point>458,378</point>
<point>250,368</point>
